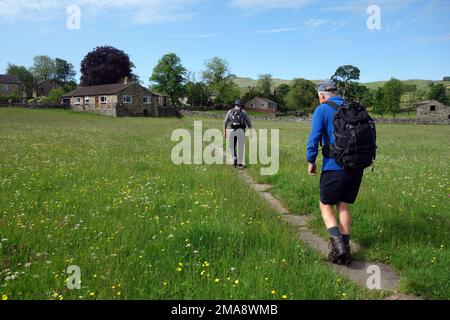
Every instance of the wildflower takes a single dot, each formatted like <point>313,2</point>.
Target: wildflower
<point>217,280</point>
<point>179,269</point>
<point>236,281</point>
<point>4,297</point>
<point>92,294</point>
<point>119,293</point>
<point>273,292</point>
<point>284,297</point>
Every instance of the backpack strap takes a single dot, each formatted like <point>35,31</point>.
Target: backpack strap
<point>326,149</point>
<point>334,105</point>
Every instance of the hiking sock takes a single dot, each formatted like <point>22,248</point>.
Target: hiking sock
<point>346,238</point>
<point>334,232</point>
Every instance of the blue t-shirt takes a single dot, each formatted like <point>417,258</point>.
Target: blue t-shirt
<point>322,128</point>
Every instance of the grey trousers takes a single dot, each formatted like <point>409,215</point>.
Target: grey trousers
<point>237,139</point>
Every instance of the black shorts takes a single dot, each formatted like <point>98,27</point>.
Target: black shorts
<point>340,186</point>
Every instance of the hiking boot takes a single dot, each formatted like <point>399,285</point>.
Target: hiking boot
<point>242,166</point>
<point>348,259</point>
<point>235,164</point>
<point>338,253</point>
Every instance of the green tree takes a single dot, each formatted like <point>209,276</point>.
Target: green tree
<point>197,93</point>
<point>64,71</point>
<point>379,106</point>
<point>356,92</point>
<point>24,75</point>
<point>169,77</point>
<point>264,85</point>
<point>249,94</point>
<point>393,90</point>
<point>368,99</point>
<point>55,95</point>
<point>282,90</point>
<point>70,86</point>
<point>411,91</point>
<point>439,93</point>
<point>344,76</point>
<point>302,96</point>
<point>220,81</point>
<point>44,68</point>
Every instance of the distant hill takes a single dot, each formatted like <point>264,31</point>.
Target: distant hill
<point>422,85</point>
<point>244,83</point>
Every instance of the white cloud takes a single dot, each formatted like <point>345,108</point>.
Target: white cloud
<point>360,6</point>
<point>196,36</point>
<point>279,30</point>
<point>312,25</point>
<point>434,38</point>
<point>138,11</point>
<point>259,5</point>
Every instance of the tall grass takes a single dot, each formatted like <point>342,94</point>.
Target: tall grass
<point>103,194</point>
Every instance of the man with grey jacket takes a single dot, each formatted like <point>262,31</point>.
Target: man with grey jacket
<point>238,119</point>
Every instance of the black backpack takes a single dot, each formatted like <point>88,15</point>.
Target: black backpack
<point>237,119</point>
<point>355,137</point>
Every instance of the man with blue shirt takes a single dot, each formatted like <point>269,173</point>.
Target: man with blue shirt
<point>338,187</point>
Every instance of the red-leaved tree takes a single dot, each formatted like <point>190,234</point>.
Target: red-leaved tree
<point>106,65</point>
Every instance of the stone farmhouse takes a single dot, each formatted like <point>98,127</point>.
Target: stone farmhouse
<point>118,100</point>
<point>10,85</point>
<point>44,87</point>
<point>433,111</point>
<point>262,105</point>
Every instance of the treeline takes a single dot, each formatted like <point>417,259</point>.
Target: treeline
<point>217,85</point>
<point>44,68</point>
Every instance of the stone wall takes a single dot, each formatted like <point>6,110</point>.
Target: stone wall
<point>410,121</point>
<point>308,119</point>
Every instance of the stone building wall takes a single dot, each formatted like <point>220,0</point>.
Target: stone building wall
<point>433,111</point>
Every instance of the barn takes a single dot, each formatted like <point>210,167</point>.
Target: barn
<point>262,105</point>
<point>433,111</point>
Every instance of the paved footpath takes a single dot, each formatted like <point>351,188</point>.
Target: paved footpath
<point>359,272</point>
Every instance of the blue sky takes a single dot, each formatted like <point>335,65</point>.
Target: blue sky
<point>290,38</point>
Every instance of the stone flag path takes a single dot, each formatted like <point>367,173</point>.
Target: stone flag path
<point>359,272</point>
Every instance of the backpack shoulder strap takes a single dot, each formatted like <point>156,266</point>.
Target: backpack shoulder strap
<point>334,105</point>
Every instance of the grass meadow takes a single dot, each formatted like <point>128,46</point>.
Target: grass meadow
<point>402,216</point>
<point>103,194</point>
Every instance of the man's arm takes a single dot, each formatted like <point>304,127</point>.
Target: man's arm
<point>225,123</point>
<point>317,130</point>
<point>247,120</point>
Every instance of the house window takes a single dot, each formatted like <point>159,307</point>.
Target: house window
<point>77,100</point>
<point>86,100</point>
<point>127,99</point>
<point>103,100</point>
<point>147,99</point>
<point>5,87</point>
<point>432,108</point>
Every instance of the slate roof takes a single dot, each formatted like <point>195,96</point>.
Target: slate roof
<point>6,78</point>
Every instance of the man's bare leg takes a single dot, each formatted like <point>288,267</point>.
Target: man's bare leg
<point>328,216</point>
<point>345,218</point>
